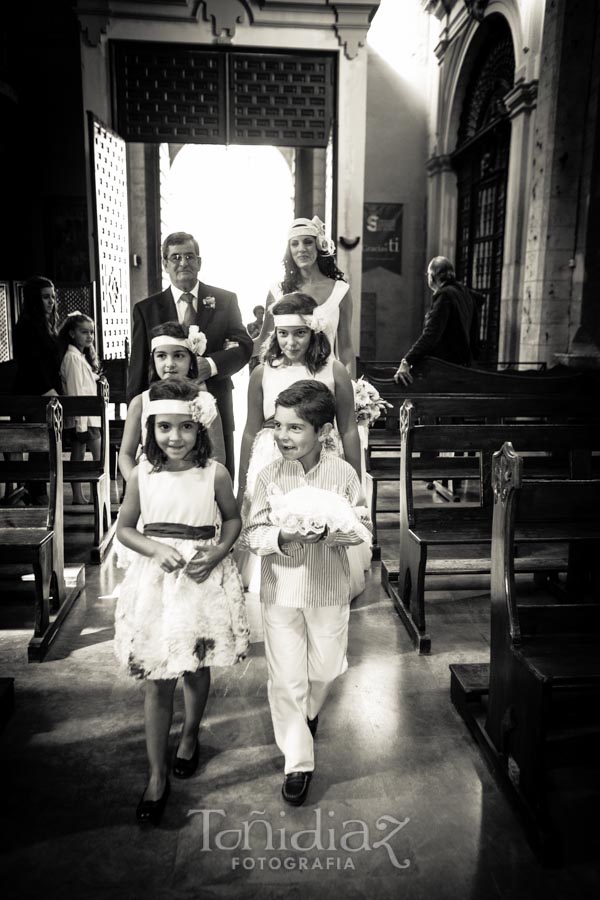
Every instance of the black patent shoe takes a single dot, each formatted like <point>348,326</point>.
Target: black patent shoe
<point>295,787</point>
<point>185,768</point>
<point>313,724</point>
<point>149,812</point>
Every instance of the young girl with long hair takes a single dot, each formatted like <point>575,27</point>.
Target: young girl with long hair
<point>309,266</point>
<point>172,355</point>
<point>80,370</point>
<point>298,349</point>
<point>181,604</point>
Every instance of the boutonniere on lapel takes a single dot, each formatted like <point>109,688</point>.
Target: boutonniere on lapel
<point>209,302</point>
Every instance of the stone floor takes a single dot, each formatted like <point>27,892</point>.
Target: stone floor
<point>401,804</point>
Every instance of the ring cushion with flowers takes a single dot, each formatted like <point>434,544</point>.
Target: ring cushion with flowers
<point>309,510</point>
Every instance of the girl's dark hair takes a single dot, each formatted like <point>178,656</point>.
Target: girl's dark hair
<point>312,401</point>
<point>33,308</point>
<point>64,338</point>
<point>319,349</point>
<point>175,388</point>
<point>170,329</point>
<point>291,273</point>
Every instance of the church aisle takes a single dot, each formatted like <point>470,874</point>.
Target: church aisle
<point>401,803</point>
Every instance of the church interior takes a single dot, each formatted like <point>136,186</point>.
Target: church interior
<point>458,755</point>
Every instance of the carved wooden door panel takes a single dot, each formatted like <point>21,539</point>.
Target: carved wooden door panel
<point>111,235</point>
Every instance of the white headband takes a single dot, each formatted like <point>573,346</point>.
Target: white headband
<point>163,340</point>
<point>315,228</point>
<point>195,342</point>
<point>285,320</point>
<point>202,409</point>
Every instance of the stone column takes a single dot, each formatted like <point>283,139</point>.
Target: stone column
<point>520,103</point>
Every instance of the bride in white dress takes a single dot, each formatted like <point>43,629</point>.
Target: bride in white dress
<point>309,267</point>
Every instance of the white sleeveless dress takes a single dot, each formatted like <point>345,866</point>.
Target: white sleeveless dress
<point>167,624</point>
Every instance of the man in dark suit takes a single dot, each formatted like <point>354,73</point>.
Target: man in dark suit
<point>191,302</point>
<point>451,329</point>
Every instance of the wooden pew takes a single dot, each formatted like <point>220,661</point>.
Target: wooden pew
<point>450,525</point>
<point>434,378</point>
<point>535,710</point>
<point>34,535</point>
<point>384,443</point>
<point>94,472</point>
<point>115,372</point>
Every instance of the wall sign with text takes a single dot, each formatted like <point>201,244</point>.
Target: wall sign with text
<point>382,236</point>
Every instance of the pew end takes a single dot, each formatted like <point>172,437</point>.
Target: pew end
<point>535,709</point>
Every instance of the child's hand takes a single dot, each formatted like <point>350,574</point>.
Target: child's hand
<point>202,564</point>
<point>168,558</point>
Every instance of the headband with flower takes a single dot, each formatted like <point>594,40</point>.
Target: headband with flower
<point>202,409</point>
<point>315,228</point>
<point>316,321</point>
<point>195,342</point>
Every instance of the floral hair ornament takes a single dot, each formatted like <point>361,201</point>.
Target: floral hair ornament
<point>196,340</point>
<point>315,228</point>
<point>202,409</point>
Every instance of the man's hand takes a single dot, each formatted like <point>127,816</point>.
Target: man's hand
<point>403,374</point>
<point>204,370</point>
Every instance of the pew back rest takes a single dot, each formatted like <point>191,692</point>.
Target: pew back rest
<point>573,506</point>
<point>577,441</point>
<point>34,409</point>
<point>40,438</point>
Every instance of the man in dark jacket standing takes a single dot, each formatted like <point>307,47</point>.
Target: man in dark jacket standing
<point>450,331</point>
<point>190,302</point>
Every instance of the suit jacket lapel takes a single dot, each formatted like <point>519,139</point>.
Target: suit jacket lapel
<point>169,310</point>
<point>205,313</point>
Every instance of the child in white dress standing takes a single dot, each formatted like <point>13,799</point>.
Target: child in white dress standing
<point>79,372</point>
<point>173,354</point>
<point>181,605</point>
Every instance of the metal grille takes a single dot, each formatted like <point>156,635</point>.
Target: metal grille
<point>280,100</point>
<point>170,92</point>
<point>482,171</point>
<point>182,93</point>
<point>481,163</point>
<point>112,240</point>
<point>72,298</point>
<point>493,76</point>
<point>5,323</point>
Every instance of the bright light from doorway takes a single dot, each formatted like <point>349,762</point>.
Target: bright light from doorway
<point>238,201</point>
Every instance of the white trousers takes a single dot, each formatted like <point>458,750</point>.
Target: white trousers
<point>305,651</point>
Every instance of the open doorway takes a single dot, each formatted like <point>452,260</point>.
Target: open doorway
<point>238,201</point>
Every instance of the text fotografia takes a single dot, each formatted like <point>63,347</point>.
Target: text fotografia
<point>255,835</point>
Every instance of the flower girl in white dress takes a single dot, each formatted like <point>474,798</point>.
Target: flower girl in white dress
<point>181,604</point>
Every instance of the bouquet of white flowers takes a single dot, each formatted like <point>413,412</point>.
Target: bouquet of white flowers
<point>368,405</point>
<point>308,510</point>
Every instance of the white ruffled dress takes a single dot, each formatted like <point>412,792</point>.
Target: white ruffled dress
<point>166,624</point>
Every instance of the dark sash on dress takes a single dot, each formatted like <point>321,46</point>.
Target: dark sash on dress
<point>175,530</point>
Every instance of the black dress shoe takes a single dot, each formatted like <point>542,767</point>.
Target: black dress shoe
<point>313,724</point>
<point>185,768</point>
<point>295,787</point>
<point>149,812</point>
